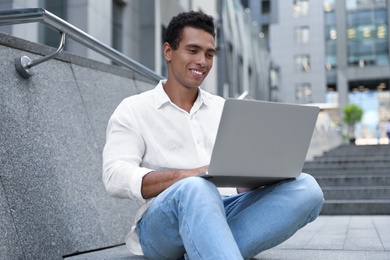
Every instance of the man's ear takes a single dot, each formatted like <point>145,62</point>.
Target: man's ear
<point>167,51</point>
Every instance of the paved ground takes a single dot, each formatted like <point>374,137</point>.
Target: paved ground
<point>337,237</point>
<point>328,237</point>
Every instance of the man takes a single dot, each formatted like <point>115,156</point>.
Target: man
<point>160,140</point>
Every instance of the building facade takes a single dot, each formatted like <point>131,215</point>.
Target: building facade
<point>330,52</point>
<point>136,28</point>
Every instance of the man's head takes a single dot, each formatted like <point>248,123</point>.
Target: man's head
<point>189,49</point>
<point>198,20</point>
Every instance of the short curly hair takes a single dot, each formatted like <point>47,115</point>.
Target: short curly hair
<point>198,20</point>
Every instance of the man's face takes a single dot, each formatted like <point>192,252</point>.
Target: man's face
<point>191,62</point>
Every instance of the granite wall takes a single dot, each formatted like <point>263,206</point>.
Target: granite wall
<point>52,132</point>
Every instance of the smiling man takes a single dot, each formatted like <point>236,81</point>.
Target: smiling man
<point>160,140</point>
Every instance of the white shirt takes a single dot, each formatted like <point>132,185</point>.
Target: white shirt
<point>147,132</point>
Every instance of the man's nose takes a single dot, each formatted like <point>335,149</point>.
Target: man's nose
<point>201,60</point>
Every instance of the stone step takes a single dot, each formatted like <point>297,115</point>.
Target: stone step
<point>348,153</point>
<point>382,157</point>
<point>358,152</point>
<point>356,207</point>
<point>352,159</point>
<point>346,172</point>
<point>357,192</point>
<point>360,148</point>
<point>346,165</point>
<point>353,180</point>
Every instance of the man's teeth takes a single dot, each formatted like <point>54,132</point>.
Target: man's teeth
<point>198,72</point>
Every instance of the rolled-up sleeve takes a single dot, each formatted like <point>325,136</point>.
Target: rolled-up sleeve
<point>122,156</point>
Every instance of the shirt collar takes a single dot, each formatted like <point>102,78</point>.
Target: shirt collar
<point>160,97</point>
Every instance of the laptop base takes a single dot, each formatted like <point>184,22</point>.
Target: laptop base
<point>243,182</point>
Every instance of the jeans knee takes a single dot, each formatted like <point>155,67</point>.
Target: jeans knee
<point>196,186</point>
<point>314,192</point>
<point>195,194</point>
<point>196,183</point>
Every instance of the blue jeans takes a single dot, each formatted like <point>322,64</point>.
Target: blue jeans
<point>192,218</point>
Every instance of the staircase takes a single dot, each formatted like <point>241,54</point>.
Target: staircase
<point>355,179</point>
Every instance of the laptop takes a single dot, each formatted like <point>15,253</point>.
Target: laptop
<point>260,143</point>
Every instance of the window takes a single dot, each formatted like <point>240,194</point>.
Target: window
<point>300,8</point>
<point>302,63</point>
<point>265,7</point>
<point>302,35</point>
<point>367,36</point>
<point>330,57</point>
<point>48,35</point>
<point>329,5</point>
<point>265,30</point>
<point>330,35</point>
<point>354,5</point>
<point>117,21</point>
<point>330,18</point>
<point>303,93</point>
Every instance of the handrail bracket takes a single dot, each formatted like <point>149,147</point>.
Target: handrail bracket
<point>24,64</point>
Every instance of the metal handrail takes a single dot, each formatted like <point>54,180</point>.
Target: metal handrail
<point>243,95</point>
<point>23,64</point>
<point>30,15</point>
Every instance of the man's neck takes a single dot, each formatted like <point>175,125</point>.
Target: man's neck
<point>181,97</point>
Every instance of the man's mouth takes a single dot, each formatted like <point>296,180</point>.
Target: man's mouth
<point>197,72</point>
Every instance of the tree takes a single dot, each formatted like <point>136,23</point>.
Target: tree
<point>352,115</point>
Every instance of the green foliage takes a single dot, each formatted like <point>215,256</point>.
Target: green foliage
<point>352,114</point>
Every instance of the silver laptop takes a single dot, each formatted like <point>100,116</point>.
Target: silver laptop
<point>259,143</point>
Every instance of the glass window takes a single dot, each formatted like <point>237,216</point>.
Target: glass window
<point>303,93</point>
<point>367,37</point>
<point>351,4</point>
<point>302,35</point>
<point>359,4</point>
<point>381,32</point>
<point>302,63</point>
<point>117,21</point>
<point>47,35</point>
<point>382,59</point>
<point>352,18</point>
<point>365,17</point>
<point>265,6</point>
<point>365,32</point>
<point>329,5</point>
<point>331,62</point>
<point>330,33</point>
<point>330,47</point>
<point>381,16</point>
<point>380,3</point>
<point>330,18</point>
<point>300,7</point>
<point>265,30</point>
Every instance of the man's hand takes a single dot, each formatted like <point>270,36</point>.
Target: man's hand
<point>154,183</point>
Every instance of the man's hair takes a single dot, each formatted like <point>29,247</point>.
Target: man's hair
<point>198,20</point>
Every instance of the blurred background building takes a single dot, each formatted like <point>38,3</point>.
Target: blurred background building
<point>334,52</point>
<point>136,28</point>
<point>328,53</point>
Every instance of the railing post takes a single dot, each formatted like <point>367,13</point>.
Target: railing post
<point>24,64</point>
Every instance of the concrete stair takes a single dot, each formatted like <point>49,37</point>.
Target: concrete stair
<point>355,179</point>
